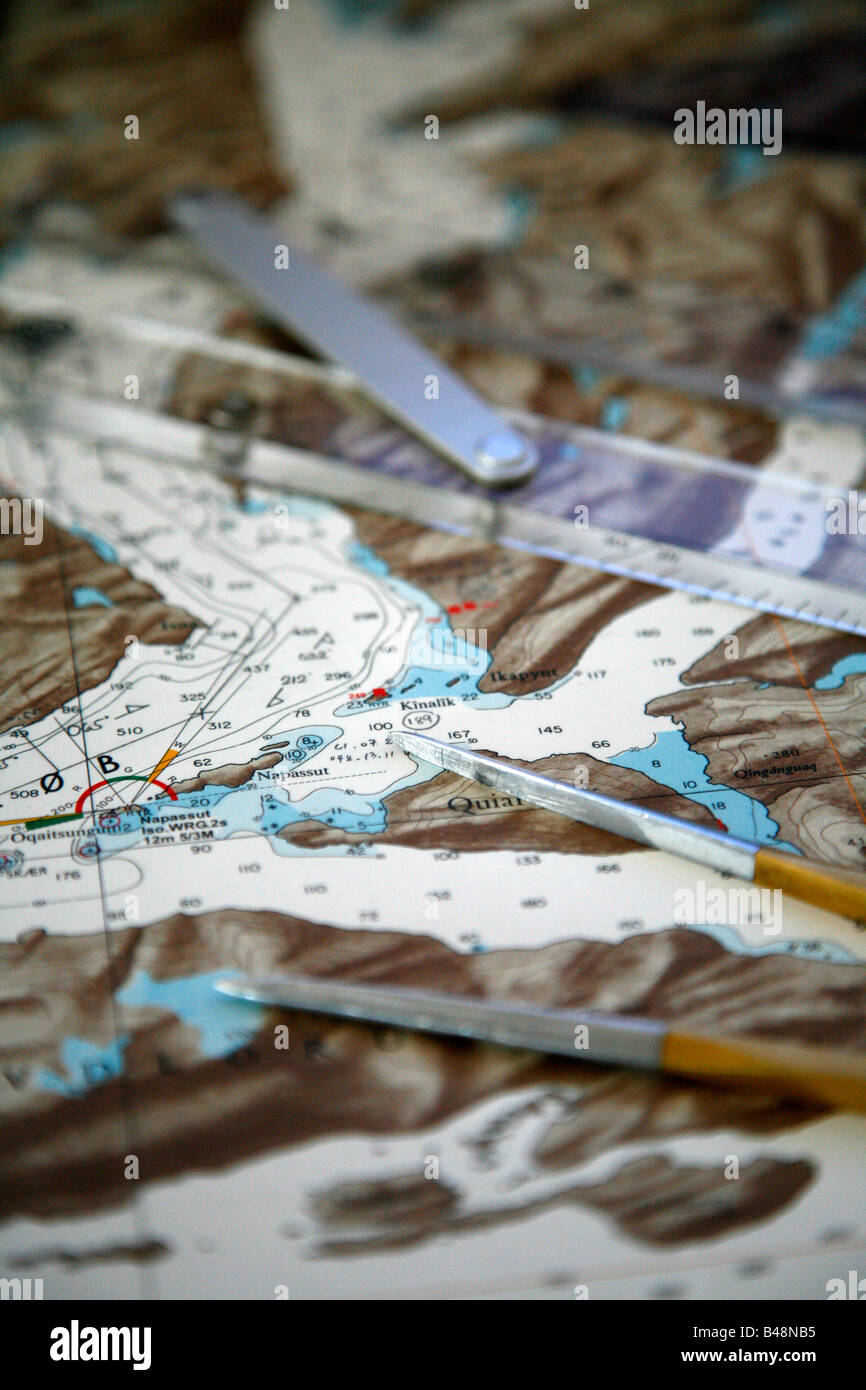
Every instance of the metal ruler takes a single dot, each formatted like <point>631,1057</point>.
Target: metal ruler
<point>684,521</point>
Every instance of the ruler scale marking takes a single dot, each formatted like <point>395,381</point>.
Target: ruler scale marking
<point>458,506</point>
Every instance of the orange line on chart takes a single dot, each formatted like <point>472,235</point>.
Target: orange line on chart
<point>163,763</point>
<point>820,717</point>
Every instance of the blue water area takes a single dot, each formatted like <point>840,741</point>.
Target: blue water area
<point>587,378</point>
<point>223,1029</point>
<point>367,559</point>
<point>828,952</point>
<point>85,597</point>
<point>442,661</point>
<point>614,413</point>
<point>359,815</point>
<point>852,665</point>
<point>520,207</point>
<point>261,806</point>
<point>779,19</point>
<point>14,250</point>
<point>355,12</point>
<point>221,1025</point>
<point>289,505</point>
<point>23,132</point>
<point>342,808</point>
<point>85,1065</point>
<point>741,166</point>
<point>670,761</point>
<point>105,551</point>
<point>835,331</point>
<point>252,809</point>
<point>299,745</point>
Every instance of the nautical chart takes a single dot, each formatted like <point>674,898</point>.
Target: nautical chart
<point>197,778</point>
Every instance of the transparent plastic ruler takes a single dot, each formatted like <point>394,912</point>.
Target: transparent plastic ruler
<point>751,537</point>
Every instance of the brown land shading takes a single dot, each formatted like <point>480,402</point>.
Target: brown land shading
<point>654,1199</point>
<point>76,70</point>
<point>36,583</point>
<point>539,615</point>
<point>761,656</point>
<point>451,812</point>
<point>62,1156</point>
<point>768,743</point>
<point>229,775</point>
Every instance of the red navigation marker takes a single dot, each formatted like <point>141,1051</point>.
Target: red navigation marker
<point>379,694</point>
